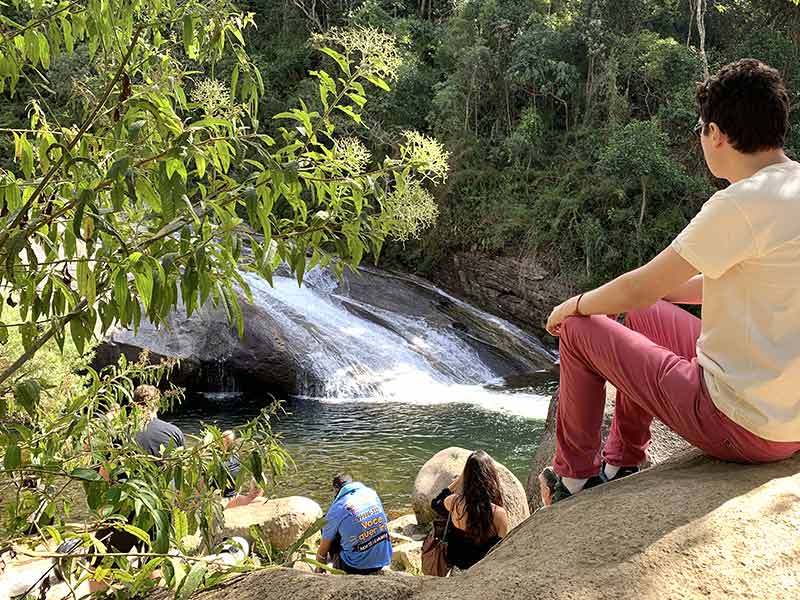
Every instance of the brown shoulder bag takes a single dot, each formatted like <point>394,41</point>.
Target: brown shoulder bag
<point>434,553</point>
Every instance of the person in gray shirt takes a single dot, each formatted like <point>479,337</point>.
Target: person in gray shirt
<point>157,434</point>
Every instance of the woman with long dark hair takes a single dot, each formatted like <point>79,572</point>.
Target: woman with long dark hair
<point>474,505</point>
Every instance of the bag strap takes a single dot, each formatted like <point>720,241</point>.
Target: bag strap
<point>447,526</point>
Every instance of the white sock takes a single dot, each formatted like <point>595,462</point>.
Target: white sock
<point>610,471</point>
<point>573,485</point>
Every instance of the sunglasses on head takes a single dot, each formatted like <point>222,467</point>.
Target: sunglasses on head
<point>698,128</point>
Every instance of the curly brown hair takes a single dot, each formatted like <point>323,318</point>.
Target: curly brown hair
<point>147,396</point>
<point>747,99</point>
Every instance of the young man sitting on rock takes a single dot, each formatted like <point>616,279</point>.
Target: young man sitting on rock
<point>355,537</point>
<point>729,384</point>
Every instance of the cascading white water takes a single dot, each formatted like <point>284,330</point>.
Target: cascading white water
<point>383,356</point>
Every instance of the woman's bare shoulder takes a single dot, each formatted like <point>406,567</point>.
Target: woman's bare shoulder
<point>499,512</point>
<point>500,520</point>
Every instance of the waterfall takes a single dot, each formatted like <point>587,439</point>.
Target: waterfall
<point>218,383</point>
<point>374,336</point>
<point>355,346</point>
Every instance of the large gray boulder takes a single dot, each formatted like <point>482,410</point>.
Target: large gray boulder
<point>284,340</point>
<point>440,471</point>
<point>281,521</point>
<point>206,339</point>
<point>664,444</point>
<point>690,528</point>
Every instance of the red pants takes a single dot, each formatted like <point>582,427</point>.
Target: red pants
<point>652,361</point>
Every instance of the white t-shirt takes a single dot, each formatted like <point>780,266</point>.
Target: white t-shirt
<point>746,242</point>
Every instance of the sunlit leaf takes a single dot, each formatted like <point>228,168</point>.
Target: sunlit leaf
<point>192,581</point>
<point>27,393</point>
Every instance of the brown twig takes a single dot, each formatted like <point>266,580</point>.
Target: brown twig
<point>42,340</point>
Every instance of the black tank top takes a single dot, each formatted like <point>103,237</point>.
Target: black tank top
<point>463,551</point>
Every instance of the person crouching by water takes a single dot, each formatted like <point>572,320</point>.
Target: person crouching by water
<point>355,537</point>
<point>474,505</point>
<point>231,499</point>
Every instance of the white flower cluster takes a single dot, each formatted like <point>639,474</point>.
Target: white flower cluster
<point>213,97</point>
<point>351,153</point>
<point>411,210</point>
<point>374,50</point>
<point>428,154</point>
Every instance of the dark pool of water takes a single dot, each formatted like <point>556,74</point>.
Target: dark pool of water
<point>382,444</point>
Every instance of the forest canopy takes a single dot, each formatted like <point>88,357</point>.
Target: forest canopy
<point>569,122</point>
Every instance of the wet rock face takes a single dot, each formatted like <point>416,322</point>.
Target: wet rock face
<point>288,336</point>
<point>519,289</point>
<point>205,341</point>
<point>501,345</point>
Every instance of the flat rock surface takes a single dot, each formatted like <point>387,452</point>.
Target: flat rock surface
<point>281,520</point>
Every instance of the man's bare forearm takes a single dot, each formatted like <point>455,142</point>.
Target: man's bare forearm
<point>324,550</point>
<point>690,292</point>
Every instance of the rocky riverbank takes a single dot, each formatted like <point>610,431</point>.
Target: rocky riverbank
<point>289,528</point>
<point>693,527</point>
<point>283,521</point>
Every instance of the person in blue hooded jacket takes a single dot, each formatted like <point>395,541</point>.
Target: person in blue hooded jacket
<point>355,537</point>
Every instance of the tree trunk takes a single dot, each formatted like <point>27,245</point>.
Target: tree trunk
<point>466,108</point>
<point>477,101</point>
<point>701,30</point>
<point>508,108</point>
<point>566,111</point>
<point>644,205</point>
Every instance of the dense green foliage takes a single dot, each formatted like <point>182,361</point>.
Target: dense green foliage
<point>152,150</point>
<point>57,369</point>
<point>154,195</point>
<point>569,121</point>
<point>138,176</point>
